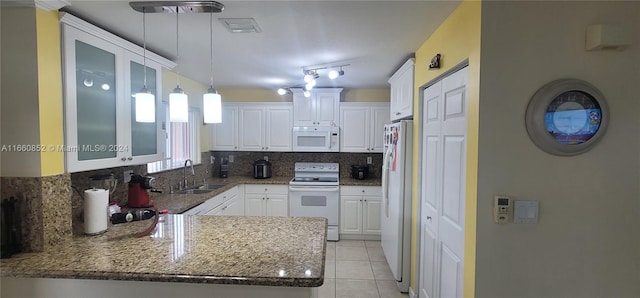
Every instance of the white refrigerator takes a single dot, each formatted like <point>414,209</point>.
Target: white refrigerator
<point>396,200</point>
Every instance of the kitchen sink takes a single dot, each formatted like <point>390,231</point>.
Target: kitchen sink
<point>199,189</point>
<point>207,186</point>
<point>193,191</point>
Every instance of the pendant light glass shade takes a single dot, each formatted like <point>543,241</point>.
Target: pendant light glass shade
<point>211,101</point>
<point>145,101</point>
<point>145,106</point>
<point>178,106</point>
<point>212,106</point>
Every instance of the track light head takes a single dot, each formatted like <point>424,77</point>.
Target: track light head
<point>335,74</point>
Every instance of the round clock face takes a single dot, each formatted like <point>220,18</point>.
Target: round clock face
<point>573,117</point>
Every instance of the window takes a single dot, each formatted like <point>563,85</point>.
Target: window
<point>182,141</point>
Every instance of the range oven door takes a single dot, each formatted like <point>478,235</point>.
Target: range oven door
<point>315,201</point>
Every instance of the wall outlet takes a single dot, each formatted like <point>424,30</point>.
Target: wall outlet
<point>212,159</point>
<point>127,175</point>
<point>369,160</point>
<point>230,158</point>
<point>265,158</point>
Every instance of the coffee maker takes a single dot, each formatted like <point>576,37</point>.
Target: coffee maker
<point>138,195</point>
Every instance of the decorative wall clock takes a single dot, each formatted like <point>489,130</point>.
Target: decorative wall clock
<point>567,117</point>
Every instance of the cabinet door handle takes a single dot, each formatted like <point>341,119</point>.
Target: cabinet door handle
<point>266,148</point>
<point>398,113</point>
<point>123,159</point>
<point>129,158</point>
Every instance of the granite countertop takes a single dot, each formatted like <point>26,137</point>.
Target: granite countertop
<point>178,203</point>
<point>272,251</point>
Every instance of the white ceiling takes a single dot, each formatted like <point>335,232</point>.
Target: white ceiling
<point>374,37</point>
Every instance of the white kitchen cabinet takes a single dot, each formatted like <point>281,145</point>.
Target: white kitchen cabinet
<point>402,91</point>
<point>320,109</point>
<point>225,135</point>
<point>265,127</point>
<point>266,200</point>
<point>101,73</point>
<point>360,210</point>
<point>231,203</point>
<point>362,126</point>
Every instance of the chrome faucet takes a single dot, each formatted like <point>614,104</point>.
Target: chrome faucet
<point>184,171</point>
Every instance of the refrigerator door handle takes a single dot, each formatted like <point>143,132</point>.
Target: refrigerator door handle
<point>385,178</point>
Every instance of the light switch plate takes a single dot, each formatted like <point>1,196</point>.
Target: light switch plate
<point>525,212</point>
<point>127,175</point>
<point>369,161</point>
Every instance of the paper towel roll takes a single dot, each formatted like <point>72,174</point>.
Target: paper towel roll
<point>96,211</point>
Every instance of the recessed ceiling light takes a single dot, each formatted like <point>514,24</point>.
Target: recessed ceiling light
<point>241,25</point>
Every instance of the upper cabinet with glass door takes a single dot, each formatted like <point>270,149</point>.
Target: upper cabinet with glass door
<point>102,72</point>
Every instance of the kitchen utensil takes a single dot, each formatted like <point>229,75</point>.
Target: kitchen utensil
<point>138,195</point>
<point>360,172</point>
<point>224,168</point>
<point>261,169</point>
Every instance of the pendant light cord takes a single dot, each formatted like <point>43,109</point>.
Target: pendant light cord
<point>177,48</point>
<point>144,46</point>
<point>211,46</point>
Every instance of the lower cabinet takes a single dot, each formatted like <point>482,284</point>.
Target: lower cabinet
<point>229,202</point>
<point>266,200</point>
<point>233,203</point>
<point>360,210</point>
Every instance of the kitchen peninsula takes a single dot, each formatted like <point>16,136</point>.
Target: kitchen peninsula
<point>212,256</point>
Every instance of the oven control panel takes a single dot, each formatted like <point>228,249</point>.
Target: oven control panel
<point>317,167</point>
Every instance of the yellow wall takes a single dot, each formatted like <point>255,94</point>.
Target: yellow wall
<point>50,90</point>
<point>457,39</point>
<point>267,95</point>
<point>364,95</point>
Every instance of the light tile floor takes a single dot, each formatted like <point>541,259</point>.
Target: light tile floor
<point>356,268</point>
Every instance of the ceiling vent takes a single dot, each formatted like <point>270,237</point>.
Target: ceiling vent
<point>241,25</point>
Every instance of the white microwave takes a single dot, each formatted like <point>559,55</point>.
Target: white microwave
<point>316,139</point>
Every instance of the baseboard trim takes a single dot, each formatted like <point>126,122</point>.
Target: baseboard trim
<point>360,237</point>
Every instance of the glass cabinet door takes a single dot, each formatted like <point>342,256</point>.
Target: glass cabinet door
<point>95,102</point>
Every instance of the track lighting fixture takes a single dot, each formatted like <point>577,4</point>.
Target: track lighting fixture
<point>311,76</point>
<point>334,74</point>
<point>283,91</point>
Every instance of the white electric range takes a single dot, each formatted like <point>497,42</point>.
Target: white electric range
<point>315,191</point>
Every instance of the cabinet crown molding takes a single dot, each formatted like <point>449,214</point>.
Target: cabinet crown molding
<point>71,20</point>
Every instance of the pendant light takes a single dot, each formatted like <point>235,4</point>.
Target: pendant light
<point>212,101</point>
<point>178,101</point>
<point>145,101</point>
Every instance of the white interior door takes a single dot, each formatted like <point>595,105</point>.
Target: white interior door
<point>444,143</point>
